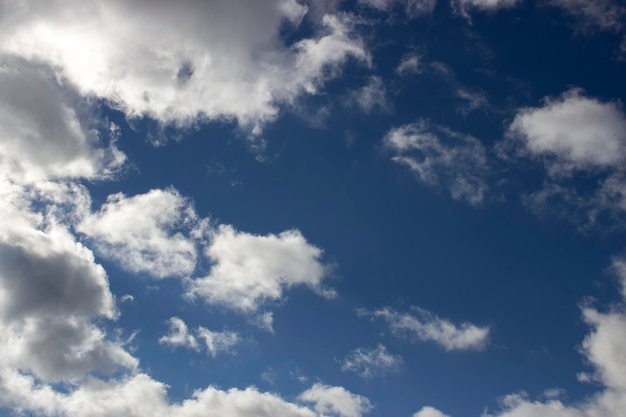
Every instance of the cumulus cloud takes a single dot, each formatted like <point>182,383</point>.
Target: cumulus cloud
<point>139,395</point>
<point>439,156</point>
<point>248,270</point>
<point>370,363</point>
<point>413,8</point>
<point>46,133</point>
<point>51,293</point>
<point>214,342</point>
<point>429,412</point>
<point>572,132</point>
<point>336,401</point>
<point>427,326</point>
<point>182,62</point>
<point>143,232</point>
<point>574,135</point>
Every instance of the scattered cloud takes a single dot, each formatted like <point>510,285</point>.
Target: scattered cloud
<point>371,363</point>
<point>603,348</point>
<point>248,270</point>
<point>183,63</point>
<point>143,232</point>
<point>439,156</point>
<point>214,342</point>
<point>412,8</point>
<point>573,135</point>
<point>409,65</point>
<point>372,96</point>
<point>336,401</point>
<point>428,327</point>
<point>606,15</point>
<point>178,335</point>
<point>464,6</point>
<point>472,101</point>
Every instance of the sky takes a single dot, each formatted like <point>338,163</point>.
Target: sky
<point>301,208</point>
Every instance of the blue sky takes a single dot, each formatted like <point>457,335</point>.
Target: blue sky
<point>290,208</point>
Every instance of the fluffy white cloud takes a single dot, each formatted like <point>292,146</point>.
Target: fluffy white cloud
<point>427,326</point>
<point>213,342</point>
<point>370,363</point>
<point>439,156</point>
<point>412,8</point>
<point>336,401</point>
<point>572,132</point>
<point>143,232</point>
<point>248,269</point>
<point>178,335</point>
<point>139,395</point>
<point>429,412</point>
<point>45,131</point>
<point>181,62</point>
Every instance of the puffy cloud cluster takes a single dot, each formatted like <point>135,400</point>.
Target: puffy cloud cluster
<point>427,326</point>
<point>181,62</point>
<point>439,156</point>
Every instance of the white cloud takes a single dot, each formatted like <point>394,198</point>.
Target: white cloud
<point>139,395</point>
<point>143,232</point>
<point>45,131</point>
<point>370,363</point>
<point>336,401</point>
<point>248,270</point>
<point>413,8</point>
<point>465,5</point>
<point>372,95</point>
<point>427,326</point>
<point>608,15</point>
<point>178,335</point>
<point>410,64</point>
<point>429,412</point>
<point>214,342</point>
<point>182,62</point>
<point>439,156</point>
<point>572,132</point>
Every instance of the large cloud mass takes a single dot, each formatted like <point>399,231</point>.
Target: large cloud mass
<point>181,61</point>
